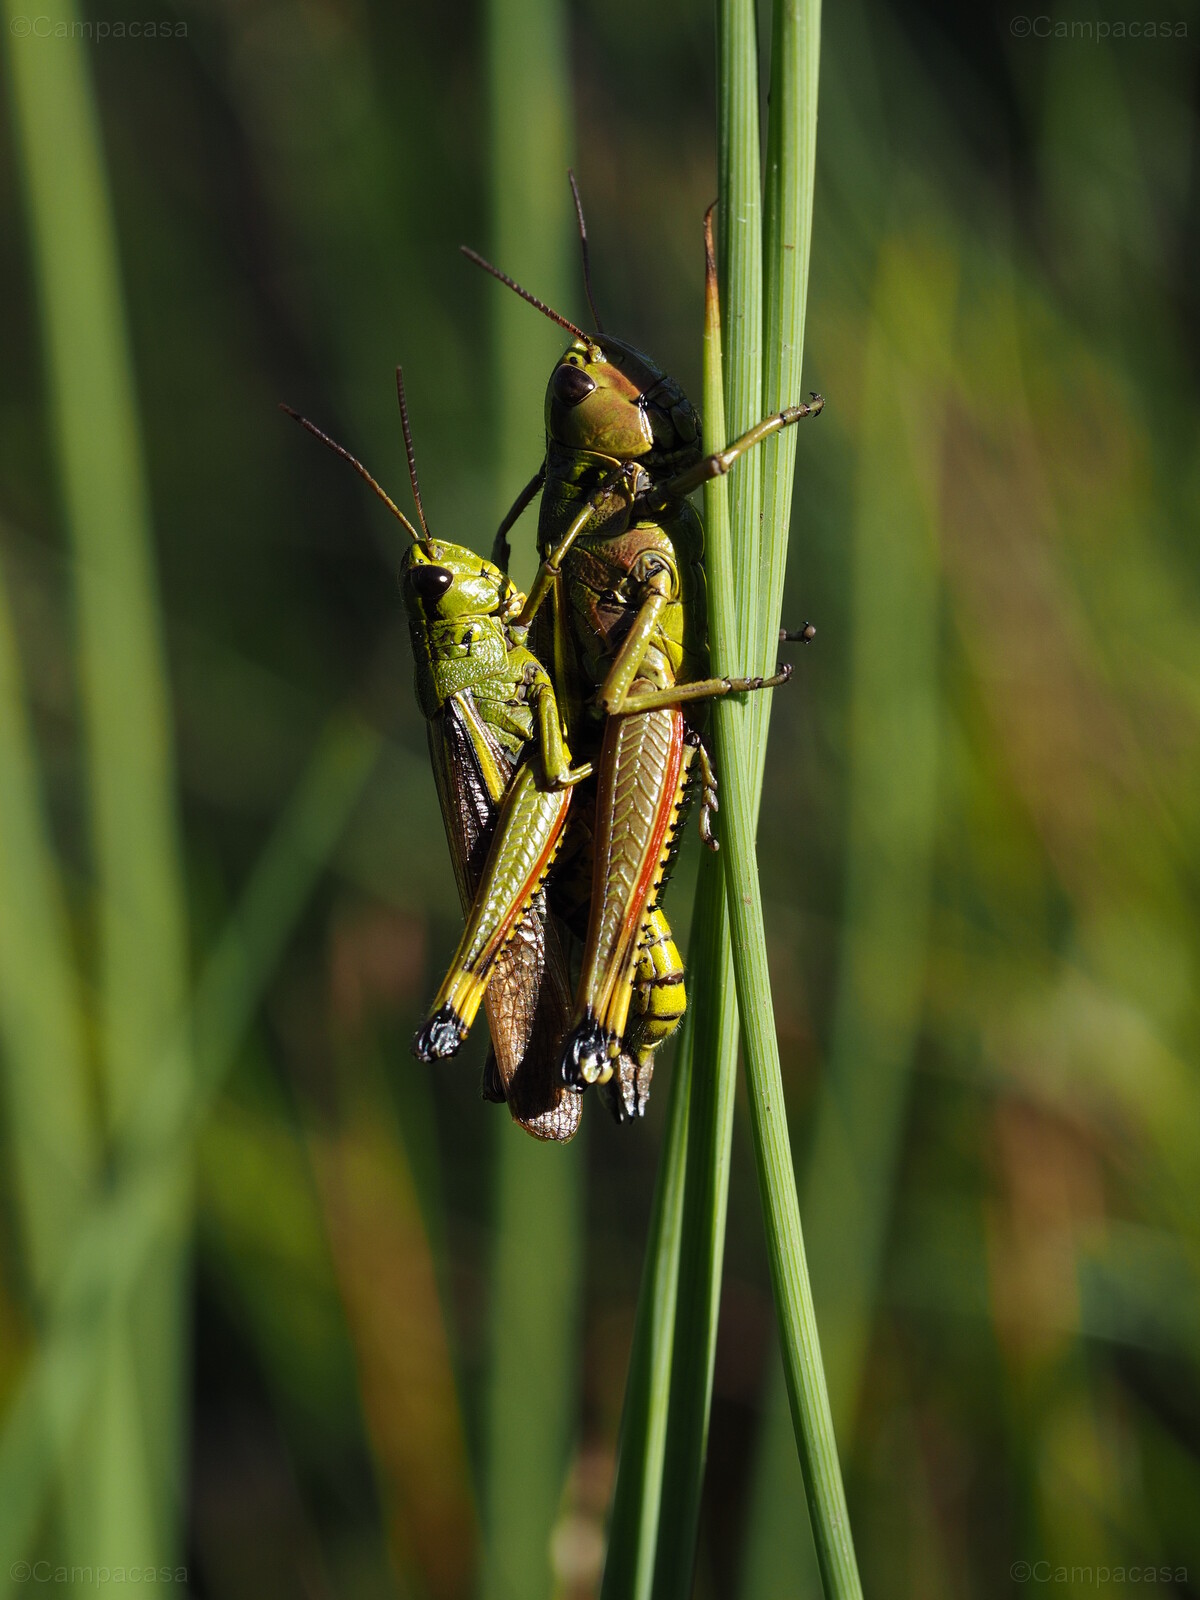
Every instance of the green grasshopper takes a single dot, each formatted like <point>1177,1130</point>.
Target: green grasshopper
<point>504,781</point>
<point>626,635</point>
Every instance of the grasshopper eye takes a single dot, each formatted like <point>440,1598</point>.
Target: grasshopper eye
<point>571,384</point>
<point>430,583</point>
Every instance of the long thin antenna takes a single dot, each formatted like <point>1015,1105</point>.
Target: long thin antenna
<point>511,283</point>
<point>358,467</point>
<point>583,246</point>
<point>412,458</point>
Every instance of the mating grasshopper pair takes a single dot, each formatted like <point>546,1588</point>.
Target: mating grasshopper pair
<point>624,633</point>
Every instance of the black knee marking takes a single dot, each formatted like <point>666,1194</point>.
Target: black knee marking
<point>441,1036</point>
<point>584,1054</point>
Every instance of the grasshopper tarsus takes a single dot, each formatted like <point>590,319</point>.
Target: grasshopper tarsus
<point>802,635</point>
<point>780,676</point>
<point>813,408</point>
<point>573,776</point>
<point>627,1092</point>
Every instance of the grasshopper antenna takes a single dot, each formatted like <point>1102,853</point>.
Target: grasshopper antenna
<point>338,450</point>
<point>540,305</point>
<point>411,453</point>
<point>583,247</point>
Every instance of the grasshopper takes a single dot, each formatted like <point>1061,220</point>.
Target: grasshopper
<point>626,633</point>
<point>504,779</point>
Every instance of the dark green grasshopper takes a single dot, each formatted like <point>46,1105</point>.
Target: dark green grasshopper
<point>625,632</point>
<point>504,781</point>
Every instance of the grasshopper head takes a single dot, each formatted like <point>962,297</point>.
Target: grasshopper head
<point>446,582</point>
<point>607,397</point>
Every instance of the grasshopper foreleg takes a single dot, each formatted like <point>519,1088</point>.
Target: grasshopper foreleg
<point>617,696</point>
<point>628,482</point>
<point>678,694</point>
<point>719,463</point>
<point>559,772</point>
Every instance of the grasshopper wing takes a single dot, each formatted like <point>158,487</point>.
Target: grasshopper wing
<point>528,1006</point>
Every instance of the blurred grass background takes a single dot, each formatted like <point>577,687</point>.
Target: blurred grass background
<point>979,839</point>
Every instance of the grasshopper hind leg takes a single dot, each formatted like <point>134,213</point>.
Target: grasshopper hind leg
<point>644,774</point>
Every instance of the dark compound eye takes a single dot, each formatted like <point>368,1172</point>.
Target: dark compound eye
<point>571,384</point>
<point>430,583</point>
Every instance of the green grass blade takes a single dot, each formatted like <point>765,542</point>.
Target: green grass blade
<point>53,1138</point>
<point>739,760</point>
<point>536,1272</point>
<point>134,1503</point>
<point>638,1493</point>
<point>122,667</point>
<point>710,1136</point>
<point>702,1253</point>
<point>109,1254</point>
<point>729,407</point>
<point>790,181</point>
<point>712,989</point>
<point>537,1251</point>
<point>741,277</point>
<point>54,1149</point>
<point>778,1559</point>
